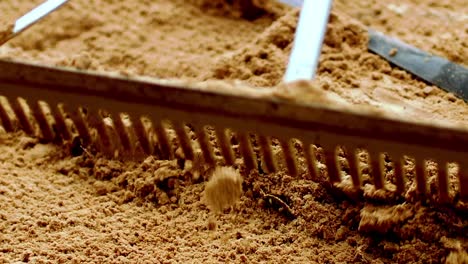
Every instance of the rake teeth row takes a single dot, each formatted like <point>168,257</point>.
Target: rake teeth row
<point>119,134</point>
<point>130,117</point>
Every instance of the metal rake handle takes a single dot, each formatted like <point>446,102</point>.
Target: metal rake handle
<point>32,17</point>
<point>308,41</point>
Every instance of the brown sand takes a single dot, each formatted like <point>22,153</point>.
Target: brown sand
<point>56,207</point>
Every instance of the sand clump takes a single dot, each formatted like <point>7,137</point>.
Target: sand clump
<point>457,254</point>
<point>69,204</point>
<point>223,189</point>
<point>457,257</point>
<point>381,220</point>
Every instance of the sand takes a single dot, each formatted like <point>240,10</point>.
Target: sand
<point>59,205</point>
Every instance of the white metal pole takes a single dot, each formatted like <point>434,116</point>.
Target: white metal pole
<point>36,14</point>
<point>308,40</point>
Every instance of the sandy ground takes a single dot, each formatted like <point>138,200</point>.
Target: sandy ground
<point>57,207</point>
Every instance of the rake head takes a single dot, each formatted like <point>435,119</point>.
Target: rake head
<point>137,116</point>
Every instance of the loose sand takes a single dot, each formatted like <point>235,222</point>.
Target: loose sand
<point>59,207</point>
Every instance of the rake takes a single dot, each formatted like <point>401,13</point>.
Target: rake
<point>195,111</point>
